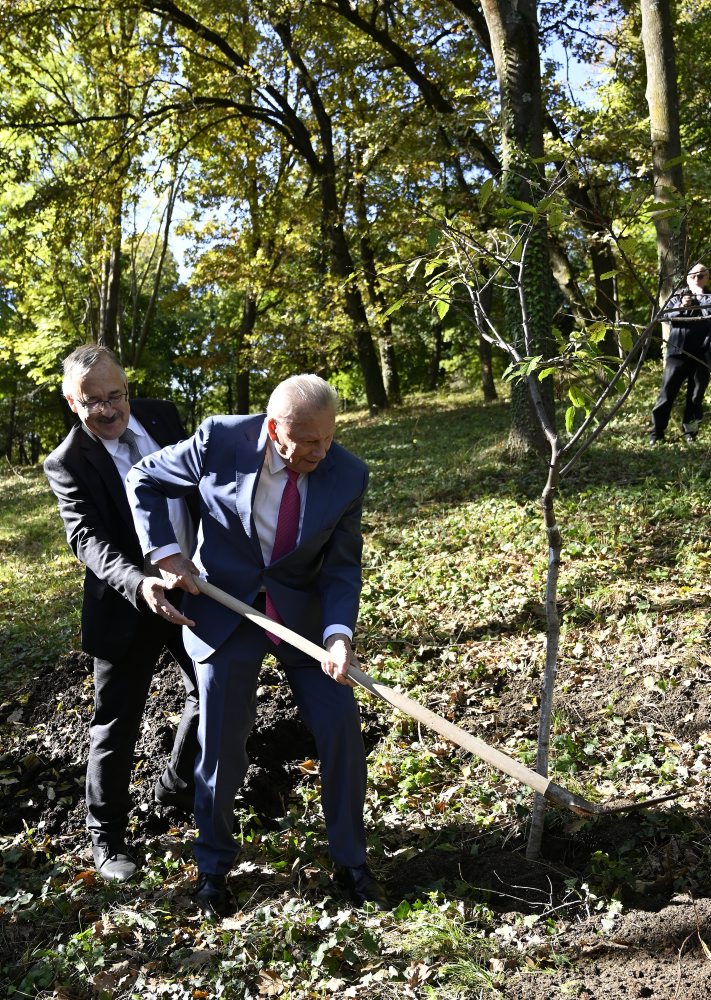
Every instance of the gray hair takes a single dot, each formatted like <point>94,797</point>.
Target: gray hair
<point>698,266</point>
<point>299,394</point>
<point>81,361</point>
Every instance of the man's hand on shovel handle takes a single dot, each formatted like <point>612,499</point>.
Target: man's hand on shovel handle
<point>175,571</point>
<point>340,656</point>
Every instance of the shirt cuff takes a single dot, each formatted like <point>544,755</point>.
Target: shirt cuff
<point>173,549</point>
<point>332,629</point>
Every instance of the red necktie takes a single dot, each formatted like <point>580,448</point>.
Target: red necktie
<point>287,530</point>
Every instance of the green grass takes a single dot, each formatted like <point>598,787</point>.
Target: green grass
<point>455,565</point>
<point>40,580</point>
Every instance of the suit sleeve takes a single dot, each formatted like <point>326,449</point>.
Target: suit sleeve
<point>88,535</point>
<point>172,472</point>
<point>340,579</point>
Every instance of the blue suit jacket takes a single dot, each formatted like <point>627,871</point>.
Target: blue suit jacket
<point>316,585</point>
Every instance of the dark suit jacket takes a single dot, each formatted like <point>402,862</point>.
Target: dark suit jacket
<point>99,526</point>
<point>689,328</point>
<point>316,585</point>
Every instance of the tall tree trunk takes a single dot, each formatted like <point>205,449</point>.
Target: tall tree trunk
<point>388,360</point>
<point>111,283</point>
<point>663,101</point>
<point>241,363</point>
<point>243,393</point>
<point>141,331</point>
<point>513,30</point>
<point>334,232</point>
<point>435,357</point>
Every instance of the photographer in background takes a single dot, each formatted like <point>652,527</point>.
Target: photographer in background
<point>687,360</point>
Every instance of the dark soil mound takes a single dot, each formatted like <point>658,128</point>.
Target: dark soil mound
<point>44,761</point>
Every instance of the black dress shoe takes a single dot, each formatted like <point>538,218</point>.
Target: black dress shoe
<point>213,897</point>
<point>182,799</point>
<point>113,862</point>
<point>361,886</point>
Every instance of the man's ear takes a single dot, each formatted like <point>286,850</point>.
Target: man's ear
<point>71,403</point>
<point>271,428</point>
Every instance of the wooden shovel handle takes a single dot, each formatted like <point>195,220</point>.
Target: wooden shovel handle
<point>499,760</point>
<point>400,701</point>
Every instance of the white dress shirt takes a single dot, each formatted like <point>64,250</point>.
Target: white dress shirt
<point>265,510</point>
<point>177,509</point>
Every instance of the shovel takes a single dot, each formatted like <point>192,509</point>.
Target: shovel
<point>502,762</point>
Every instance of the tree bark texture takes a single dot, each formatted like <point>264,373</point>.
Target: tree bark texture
<point>663,101</point>
<point>513,30</point>
<point>334,231</point>
<point>384,332</point>
<point>535,836</point>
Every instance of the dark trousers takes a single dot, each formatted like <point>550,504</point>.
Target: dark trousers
<point>120,690</point>
<point>228,708</point>
<point>680,368</point>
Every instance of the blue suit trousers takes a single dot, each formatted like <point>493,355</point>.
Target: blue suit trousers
<point>227,683</point>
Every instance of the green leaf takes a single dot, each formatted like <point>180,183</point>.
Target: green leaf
<point>394,307</point>
<point>485,192</point>
<point>522,206</point>
<point>596,331</point>
<point>626,341</point>
<point>442,307</point>
<point>576,397</point>
<point>412,269</point>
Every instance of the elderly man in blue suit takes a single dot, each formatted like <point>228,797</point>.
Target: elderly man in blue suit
<point>243,468</point>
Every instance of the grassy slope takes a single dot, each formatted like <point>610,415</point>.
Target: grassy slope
<point>454,573</point>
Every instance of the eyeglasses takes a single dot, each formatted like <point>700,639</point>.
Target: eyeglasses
<point>94,405</point>
<point>698,274</point>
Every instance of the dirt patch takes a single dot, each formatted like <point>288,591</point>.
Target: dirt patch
<point>47,725</point>
<point>658,955</point>
<point>655,945</point>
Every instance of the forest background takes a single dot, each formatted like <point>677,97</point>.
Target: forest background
<point>306,158</point>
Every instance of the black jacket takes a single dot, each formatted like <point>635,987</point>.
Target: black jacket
<point>690,327</point>
<point>99,527</point>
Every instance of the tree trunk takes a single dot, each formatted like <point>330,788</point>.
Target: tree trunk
<point>333,228</point>
<point>241,363</point>
<point>535,837</point>
<point>242,387</point>
<point>140,332</point>
<point>435,357</point>
<point>663,101</point>
<point>388,360</point>
<point>513,30</point>
<point>111,283</point>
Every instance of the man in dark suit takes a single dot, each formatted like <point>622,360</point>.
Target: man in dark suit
<point>247,471</point>
<point>86,473</point>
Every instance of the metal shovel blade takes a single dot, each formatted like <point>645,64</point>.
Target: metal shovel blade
<point>502,762</point>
